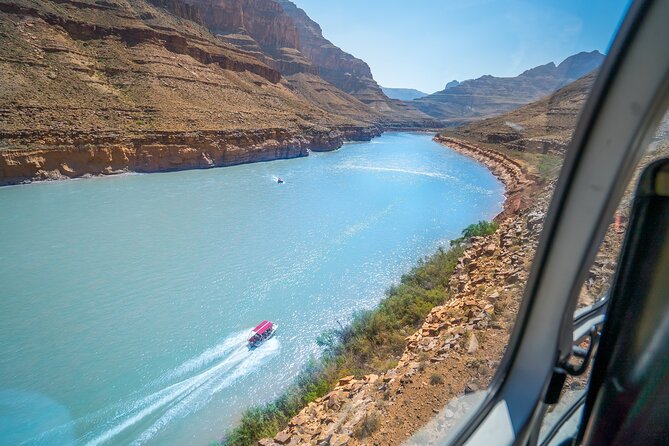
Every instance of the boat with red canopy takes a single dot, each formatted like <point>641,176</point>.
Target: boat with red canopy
<point>261,333</point>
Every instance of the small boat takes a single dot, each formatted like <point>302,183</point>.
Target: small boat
<point>279,180</point>
<point>261,333</point>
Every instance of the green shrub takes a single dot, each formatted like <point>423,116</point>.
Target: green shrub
<point>548,166</point>
<point>480,229</point>
<point>436,379</point>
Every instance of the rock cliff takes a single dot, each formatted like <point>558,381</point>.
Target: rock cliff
<point>490,96</point>
<point>71,157</point>
<point>285,38</point>
<point>150,82</point>
<point>349,73</point>
<point>260,27</point>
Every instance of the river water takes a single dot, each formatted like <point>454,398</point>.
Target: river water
<point>126,300</point>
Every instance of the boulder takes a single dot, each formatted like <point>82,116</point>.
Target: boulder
<point>339,440</point>
<point>473,344</point>
<point>371,378</point>
<point>471,387</point>
<point>283,437</point>
<point>334,402</point>
<point>346,380</point>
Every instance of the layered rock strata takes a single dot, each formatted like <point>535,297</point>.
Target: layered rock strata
<point>150,85</point>
<point>165,151</point>
<point>351,75</point>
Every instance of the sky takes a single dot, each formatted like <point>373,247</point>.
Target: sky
<point>423,44</point>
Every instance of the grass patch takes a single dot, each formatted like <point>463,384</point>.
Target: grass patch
<point>436,379</point>
<point>548,166</point>
<point>371,343</point>
<point>369,424</point>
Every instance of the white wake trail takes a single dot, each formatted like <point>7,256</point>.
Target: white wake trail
<point>206,357</point>
<point>424,173</point>
<point>439,175</point>
<point>202,395</point>
<point>191,393</point>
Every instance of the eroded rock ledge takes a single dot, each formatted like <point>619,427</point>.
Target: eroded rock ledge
<point>461,341</point>
<point>54,157</point>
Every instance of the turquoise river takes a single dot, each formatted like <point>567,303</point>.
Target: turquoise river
<point>126,300</point>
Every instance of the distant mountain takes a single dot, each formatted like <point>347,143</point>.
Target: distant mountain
<point>543,126</point>
<point>452,84</point>
<point>403,94</point>
<point>490,96</point>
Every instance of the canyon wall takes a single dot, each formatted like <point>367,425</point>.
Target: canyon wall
<point>260,27</point>
<point>350,74</point>
<point>85,75</point>
<point>160,152</point>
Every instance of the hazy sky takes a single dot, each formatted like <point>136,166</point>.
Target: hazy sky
<point>425,43</point>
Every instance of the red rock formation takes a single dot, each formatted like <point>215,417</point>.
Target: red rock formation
<point>258,26</point>
<point>264,20</point>
<point>341,69</point>
<point>180,9</point>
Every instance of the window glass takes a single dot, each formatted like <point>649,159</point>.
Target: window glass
<point>599,279</point>
<point>595,289</point>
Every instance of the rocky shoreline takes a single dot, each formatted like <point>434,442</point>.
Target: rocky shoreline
<point>56,157</point>
<point>516,181</point>
<point>461,341</point>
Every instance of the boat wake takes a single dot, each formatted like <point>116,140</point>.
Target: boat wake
<point>178,393</point>
<point>423,173</point>
<point>399,170</point>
